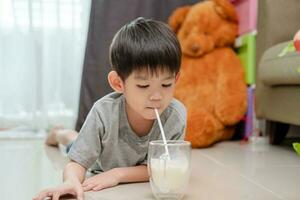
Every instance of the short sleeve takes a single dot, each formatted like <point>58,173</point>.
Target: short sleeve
<point>179,135</point>
<point>175,122</point>
<point>87,147</point>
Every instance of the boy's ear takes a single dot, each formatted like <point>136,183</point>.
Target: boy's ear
<point>177,76</point>
<point>115,81</point>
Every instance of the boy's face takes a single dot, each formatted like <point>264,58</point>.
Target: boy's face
<point>145,91</point>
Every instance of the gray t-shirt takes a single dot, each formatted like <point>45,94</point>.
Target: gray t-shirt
<point>107,141</point>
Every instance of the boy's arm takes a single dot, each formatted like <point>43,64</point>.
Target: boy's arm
<point>74,174</point>
<point>115,176</point>
<point>133,174</point>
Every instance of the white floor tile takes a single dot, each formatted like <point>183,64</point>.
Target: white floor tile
<point>228,170</point>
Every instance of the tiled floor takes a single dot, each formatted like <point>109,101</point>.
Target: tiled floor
<point>228,170</point>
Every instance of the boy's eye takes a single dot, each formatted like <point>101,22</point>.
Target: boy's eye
<point>142,86</point>
<point>167,85</point>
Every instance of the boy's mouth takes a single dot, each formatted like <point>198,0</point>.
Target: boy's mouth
<point>157,107</point>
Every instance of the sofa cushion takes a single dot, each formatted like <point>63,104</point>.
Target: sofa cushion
<point>279,70</point>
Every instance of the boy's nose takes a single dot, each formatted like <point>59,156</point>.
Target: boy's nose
<point>155,96</point>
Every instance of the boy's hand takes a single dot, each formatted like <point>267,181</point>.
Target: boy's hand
<point>102,181</point>
<point>67,187</point>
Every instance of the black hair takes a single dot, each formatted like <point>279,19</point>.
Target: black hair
<point>144,43</point>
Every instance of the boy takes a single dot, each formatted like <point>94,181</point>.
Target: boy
<point>113,142</point>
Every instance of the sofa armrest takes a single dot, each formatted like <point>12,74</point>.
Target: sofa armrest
<point>278,21</point>
<point>279,70</point>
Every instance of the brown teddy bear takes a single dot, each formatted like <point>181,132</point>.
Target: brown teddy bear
<point>211,84</point>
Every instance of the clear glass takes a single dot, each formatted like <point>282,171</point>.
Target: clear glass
<point>169,175</point>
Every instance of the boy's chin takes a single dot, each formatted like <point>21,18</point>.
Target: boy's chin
<point>149,117</point>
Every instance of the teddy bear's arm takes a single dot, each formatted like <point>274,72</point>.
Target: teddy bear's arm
<point>177,17</point>
<point>231,95</point>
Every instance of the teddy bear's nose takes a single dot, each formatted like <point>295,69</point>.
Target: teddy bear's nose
<point>195,48</point>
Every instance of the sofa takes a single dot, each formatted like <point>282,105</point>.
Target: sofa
<point>277,93</point>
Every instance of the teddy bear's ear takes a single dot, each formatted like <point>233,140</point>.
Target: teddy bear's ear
<point>177,17</point>
<point>226,10</point>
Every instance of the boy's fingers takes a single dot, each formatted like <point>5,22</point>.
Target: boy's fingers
<point>79,192</point>
<point>99,187</point>
<point>42,195</point>
<point>88,187</point>
<point>87,182</point>
<point>80,195</point>
<point>91,179</point>
<point>80,198</point>
<point>56,196</point>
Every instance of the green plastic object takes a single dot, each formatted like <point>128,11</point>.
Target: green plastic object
<point>246,50</point>
<point>297,147</point>
<point>289,48</point>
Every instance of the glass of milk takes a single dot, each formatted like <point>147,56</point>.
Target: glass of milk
<point>169,171</point>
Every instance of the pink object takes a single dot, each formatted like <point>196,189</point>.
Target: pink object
<point>247,14</point>
<point>297,41</point>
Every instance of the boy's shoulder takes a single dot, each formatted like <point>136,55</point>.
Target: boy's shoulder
<point>177,108</point>
<point>108,101</point>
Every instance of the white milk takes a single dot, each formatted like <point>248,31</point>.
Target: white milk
<point>169,175</point>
